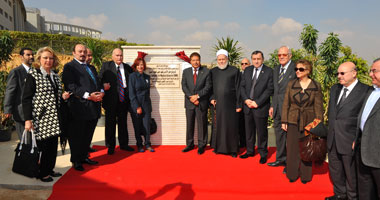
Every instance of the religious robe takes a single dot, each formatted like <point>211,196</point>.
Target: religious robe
<point>225,136</point>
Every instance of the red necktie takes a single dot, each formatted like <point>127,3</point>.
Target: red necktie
<point>195,75</point>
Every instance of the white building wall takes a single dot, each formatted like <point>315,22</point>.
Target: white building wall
<point>167,103</point>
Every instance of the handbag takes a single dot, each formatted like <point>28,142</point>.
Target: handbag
<point>153,126</point>
<point>27,157</point>
<point>313,147</point>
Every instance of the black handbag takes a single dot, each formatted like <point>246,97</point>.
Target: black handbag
<point>153,126</point>
<point>27,157</point>
<point>313,147</point>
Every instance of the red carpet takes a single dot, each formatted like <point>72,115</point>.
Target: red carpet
<point>170,174</point>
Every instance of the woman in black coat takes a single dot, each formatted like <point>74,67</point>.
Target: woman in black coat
<point>41,102</point>
<point>139,94</point>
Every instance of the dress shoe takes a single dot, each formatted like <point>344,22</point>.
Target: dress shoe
<point>234,155</point>
<point>91,150</point>
<point>284,171</point>
<point>304,182</point>
<point>150,149</point>
<point>78,166</point>
<point>187,149</point>
<point>90,162</point>
<point>276,164</point>
<point>127,148</point>
<point>201,150</point>
<point>292,181</point>
<point>110,151</point>
<point>55,174</point>
<point>263,160</point>
<point>336,197</point>
<point>47,179</point>
<point>141,149</point>
<point>246,155</point>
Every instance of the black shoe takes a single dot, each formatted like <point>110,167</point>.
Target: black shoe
<point>110,151</point>
<point>336,197</point>
<point>78,166</point>
<point>90,162</point>
<point>246,155</point>
<point>187,149</point>
<point>55,174</point>
<point>263,160</point>
<point>201,150</point>
<point>276,164</point>
<point>48,179</point>
<point>234,155</point>
<point>304,182</point>
<point>284,171</point>
<point>292,181</point>
<point>91,150</point>
<point>127,148</point>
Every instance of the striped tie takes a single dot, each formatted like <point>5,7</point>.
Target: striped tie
<point>121,85</point>
<point>281,76</point>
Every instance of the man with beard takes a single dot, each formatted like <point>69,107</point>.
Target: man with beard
<point>225,100</point>
<point>15,85</point>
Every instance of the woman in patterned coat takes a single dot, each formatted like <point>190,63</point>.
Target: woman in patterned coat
<point>40,102</point>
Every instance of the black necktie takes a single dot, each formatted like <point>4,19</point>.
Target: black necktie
<point>251,93</point>
<point>343,98</point>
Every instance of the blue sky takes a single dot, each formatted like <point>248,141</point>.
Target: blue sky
<point>256,24</point>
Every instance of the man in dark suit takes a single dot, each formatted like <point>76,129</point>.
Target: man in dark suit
<point>256,89</point>
<point>88,61</point>
<point>282,74</point>
<point>81,81</point>
<point>346,100</point>
<point>114,76</point>
<point>367,140</point>
<point>13,91</point>
<point>196,84</point>
<point>244,64</point>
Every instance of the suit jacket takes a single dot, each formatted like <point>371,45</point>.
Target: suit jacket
<point>108,74</point>
<point>280,88</point>
<point>202,87</point>
<point>343,119</point>
<point>302,111</point>
<point>369,138</point>
<point>13,93</point>
<point>139,92</point>
<point>263,90</point>
<point>78,81</point>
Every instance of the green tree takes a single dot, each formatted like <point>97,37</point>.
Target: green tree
<point>6,47</point>
<point>308,39</point>
<point>231,46</point>
<point>98,52</point>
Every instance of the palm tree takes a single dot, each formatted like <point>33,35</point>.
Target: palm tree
<point>230,45</point>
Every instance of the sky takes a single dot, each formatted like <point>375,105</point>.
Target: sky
<point>256,24</point>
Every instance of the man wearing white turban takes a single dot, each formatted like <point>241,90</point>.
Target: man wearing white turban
<point>226,102</point>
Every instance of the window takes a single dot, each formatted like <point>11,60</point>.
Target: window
<point>1,27</point>
<point>10,4</point>
<point>6,15</point>
<point>5,1</point>
<point>10,18</point>
<point>1,11</point>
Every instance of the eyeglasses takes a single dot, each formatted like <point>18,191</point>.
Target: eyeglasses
<point>300,69</point>
<point>244,63</point>
<point>374,70</point>
<point>282,55</point>
<point>342,73</point>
